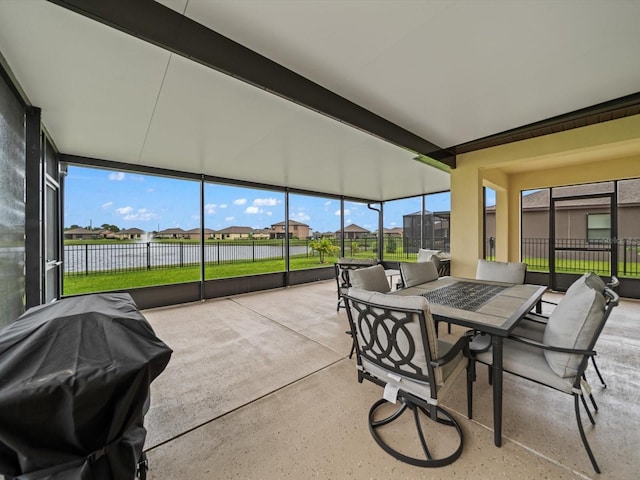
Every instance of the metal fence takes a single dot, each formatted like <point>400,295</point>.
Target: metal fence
<point>96,257</point>
<point>580,255</point>
<point>88,258</point>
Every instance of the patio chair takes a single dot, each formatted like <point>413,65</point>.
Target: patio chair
<point>506,272</point>
<point>532,326</point>
<point>396,348</point>
<point>568,341</point>
<point>342,268</point>
<point>372,279</point>
<point>412,274</point>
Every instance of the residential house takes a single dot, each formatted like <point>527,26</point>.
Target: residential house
<point>296,230</point>
<point>234,233</point>
<point>194,233</point>
<point>353,231</point>
<point>262,233</point>
<point>392,232</point>
<point>130,234</point>
<point>577,217</point>
<point>81,234</point>
<point>172,233</point>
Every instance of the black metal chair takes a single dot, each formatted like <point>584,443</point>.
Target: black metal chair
<point>397,348</point>
<point>532,326</point>
<point>413,274</point>
<point>342,268</point>
<point>559,360</point>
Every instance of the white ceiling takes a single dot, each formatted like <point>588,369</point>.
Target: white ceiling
<point>448,71</point>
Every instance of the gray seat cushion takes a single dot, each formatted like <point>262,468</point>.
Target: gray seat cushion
<point>528,362</point>
<point>572,324</point>
<point>507,272</point>
<point>416,273</point>
<point>371,278</point>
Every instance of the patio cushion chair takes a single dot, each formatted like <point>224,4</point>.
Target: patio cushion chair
<point>370,278</point>
<point>559,360</point>
<point>412,274</point>
<point>532,326</point>
<point>506,272</point>
<point>396,348</point>
<point>342,268</point>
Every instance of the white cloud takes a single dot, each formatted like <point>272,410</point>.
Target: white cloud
<point>228,219</point>
<point>301,216</point>
<point>210,208</point>
<point>269,214</point>
<point>346,212</point>
<point>116,176</point>
<point>107,205</point>
<point>265,202</point>
<point>141,215</point>
<point>240,201</point>
<point>124,210</point>
<point>223,205</point>
<point>327,203</point>
<point>253,210</point>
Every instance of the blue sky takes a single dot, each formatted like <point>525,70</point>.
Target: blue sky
<point>97,196</point>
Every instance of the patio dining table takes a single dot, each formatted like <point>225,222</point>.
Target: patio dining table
<point>491,307</point>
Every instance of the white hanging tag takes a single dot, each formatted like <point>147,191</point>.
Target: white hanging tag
<point>391,393</point>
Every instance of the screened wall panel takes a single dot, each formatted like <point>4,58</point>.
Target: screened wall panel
<point>12,205</point>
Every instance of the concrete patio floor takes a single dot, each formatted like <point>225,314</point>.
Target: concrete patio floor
<point>260,386</point>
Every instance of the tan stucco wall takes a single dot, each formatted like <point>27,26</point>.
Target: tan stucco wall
<point>606,151</point>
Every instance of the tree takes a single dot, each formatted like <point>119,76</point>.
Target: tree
<point>323,247</point>
<point>111,228</point>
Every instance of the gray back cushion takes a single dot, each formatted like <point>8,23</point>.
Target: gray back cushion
<point>507,272</point>
<point>572,324</point>
<point>588,280</point>
<point>372,279</point>
<point>424,254</point>
<point>416,273</point>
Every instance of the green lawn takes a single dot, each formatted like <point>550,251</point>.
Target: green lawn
<point>99,282</point>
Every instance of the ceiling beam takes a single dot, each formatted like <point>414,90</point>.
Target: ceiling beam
<point>168,29</point>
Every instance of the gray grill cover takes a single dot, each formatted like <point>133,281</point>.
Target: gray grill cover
<point>74,388</point>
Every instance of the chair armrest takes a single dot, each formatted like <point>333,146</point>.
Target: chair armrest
<point>462,344</point>
<point>543,346</point>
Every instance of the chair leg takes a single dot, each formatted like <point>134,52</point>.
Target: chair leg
<point>586,407</point>
<point>593,360</point>
<point>441,416</point>
<point>593,400</point>
<point>471,377</point>
<point>583,436</point>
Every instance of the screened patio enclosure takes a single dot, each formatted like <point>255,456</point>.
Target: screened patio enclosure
<point>336,99</point>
